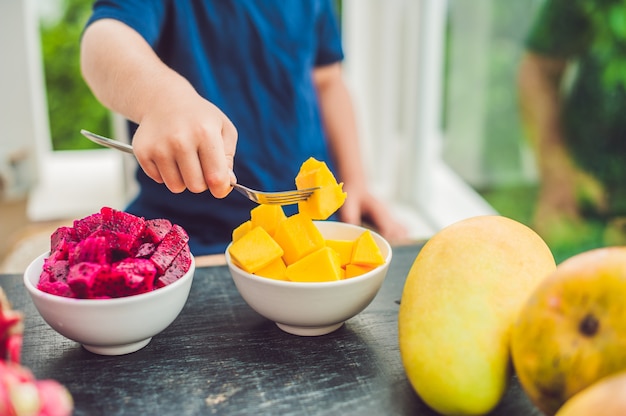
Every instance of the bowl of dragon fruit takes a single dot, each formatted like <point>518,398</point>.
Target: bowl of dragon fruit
<point>112,280</point>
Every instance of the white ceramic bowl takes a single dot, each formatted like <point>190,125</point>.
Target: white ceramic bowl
<point>110,326</point>
<point>310,309</point>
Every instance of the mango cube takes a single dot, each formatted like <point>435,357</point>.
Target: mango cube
<point>255,250</point>
<point>298,236</point>
<point>267,216</point>
<point>320,266</point>
<point>275,270</point>
<point>242,230</point>
<point>353,270</point>
<point>366,252</point>
<point>343,248</point>
<point>325,201</point>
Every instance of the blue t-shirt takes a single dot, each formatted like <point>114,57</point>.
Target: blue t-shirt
<point>254,60</point>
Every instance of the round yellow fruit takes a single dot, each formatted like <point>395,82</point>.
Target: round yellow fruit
<point>572,331</point>
<point>606,397</point>
<point>460,300</point>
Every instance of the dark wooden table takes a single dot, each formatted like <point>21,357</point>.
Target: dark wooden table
<point>220,357</point>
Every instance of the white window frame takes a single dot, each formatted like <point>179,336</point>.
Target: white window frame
<point>394,66</point>
<point>67,184</point>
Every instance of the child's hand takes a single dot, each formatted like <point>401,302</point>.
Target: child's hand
<point>186,142</point>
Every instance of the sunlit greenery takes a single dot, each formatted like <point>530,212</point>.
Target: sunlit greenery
<point>70,102</point>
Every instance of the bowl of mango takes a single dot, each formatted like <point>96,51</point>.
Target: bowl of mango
<point>307,274</point>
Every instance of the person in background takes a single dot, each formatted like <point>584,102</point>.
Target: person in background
<point>572,82</point>
<point>217,88</point>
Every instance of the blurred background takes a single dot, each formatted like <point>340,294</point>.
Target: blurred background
<point>435,84</point>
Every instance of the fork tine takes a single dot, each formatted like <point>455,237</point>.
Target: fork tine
<point>291,200</point>
<point>275,198</point>
<point>283,199</point>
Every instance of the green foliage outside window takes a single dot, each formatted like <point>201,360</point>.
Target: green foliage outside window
<point>608,20</point>
<point>71,105</point>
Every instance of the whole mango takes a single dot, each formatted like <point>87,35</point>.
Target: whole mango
<point>460,300</point>
<point>572,330</point>
<point>606,397</point>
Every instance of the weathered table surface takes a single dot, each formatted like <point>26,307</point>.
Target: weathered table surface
<point>221,357</point>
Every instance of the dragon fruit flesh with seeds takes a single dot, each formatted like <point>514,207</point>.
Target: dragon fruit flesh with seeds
<point>157,229</point>
<point>113,254</point>
<point>20,392</point>
<point>177,269</point>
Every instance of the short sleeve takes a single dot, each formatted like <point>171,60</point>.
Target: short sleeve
<point>561,29</point>
<point>330,49</point>
<point>147,17</point>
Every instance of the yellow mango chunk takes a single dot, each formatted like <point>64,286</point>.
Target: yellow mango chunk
<point>298,236</point>
<point>267,216</point>
<point>325,201</point>
<point>344,248</point>
<point>255,250</point>
<point>320,266</point>
<point>311,164</point>
<point>274,270</point>
<point>241,230</point>
<point>353,270</point>
<point>366,252</point>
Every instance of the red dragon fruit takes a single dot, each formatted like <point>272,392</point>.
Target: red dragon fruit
<point>84,227</point>
<point>145,250</point>
<point>170,246</point>
<point>177,269</point>
<point>112,254</point>
<point>134,276</point>
<point>93,249</point>
<point>157,229</point>
<point>62,242</point>
<point>11,328</point>
<point>83,276</point>
<point>20,392</point>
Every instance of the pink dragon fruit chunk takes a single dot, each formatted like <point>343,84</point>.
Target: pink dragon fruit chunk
<point>55,270</point>
<point>119,244</point>
<point>156,230</point>
<point>11,328</point>
<point>61,242</point>
<point>84,227</point>
<point>177,269</point>
<point>145,250</point>
<point>139,274</point>
<point>56,288</point>
<point>120,221</point>
<point>83,278</point>
<point>168,249</point>
<point>93,249</point>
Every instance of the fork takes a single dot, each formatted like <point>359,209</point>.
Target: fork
<point>269,198</point>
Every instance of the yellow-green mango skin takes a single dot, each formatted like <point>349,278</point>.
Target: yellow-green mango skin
<point>460,300</point>
<point>572,330</point>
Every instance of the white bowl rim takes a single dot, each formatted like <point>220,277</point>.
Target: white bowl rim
<point>35,291</point>
<point>331,283</point>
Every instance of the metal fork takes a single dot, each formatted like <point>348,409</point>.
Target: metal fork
<point>269,198</point>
